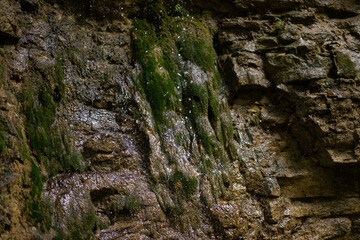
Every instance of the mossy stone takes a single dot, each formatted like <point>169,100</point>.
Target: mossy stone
<point>345,66</point>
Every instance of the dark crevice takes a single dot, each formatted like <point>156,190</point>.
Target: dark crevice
<point>98,195</point>
<point>335,13</point>
<point>216,44</point>
<point>7,39</point>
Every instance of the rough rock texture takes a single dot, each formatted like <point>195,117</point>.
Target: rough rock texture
<point>196,120</point>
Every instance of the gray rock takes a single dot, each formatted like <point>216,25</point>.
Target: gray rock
<point>245,71</point>
<point>285,68</point>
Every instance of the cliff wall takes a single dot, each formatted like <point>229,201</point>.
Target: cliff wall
<point>179,119</point>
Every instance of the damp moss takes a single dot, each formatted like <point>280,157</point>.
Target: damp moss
<point>278,25</point>
<point>179,139</point>
<point>3,124</point>
<point>40,114</point>
<point>199,52</point>
<point>58,78</point>
<point>127,204</point>
<point>159,89</point>
<point>346,67</point>
<point>76,57</point>
<point>40,211</point>
<point>82,228</point>
<point>205,164</point>
<point>198,93</point>
<point>160,42</point>
<point>36,182</point>
<point>214,103</point>
<point>195,114</point>
<point>202,53</point>
<point>173,210</point>
<point>49,142</point>
<point>187,185</point>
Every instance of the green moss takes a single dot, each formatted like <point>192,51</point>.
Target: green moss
<point>218,152</point>
<point>76,56</point>
<point>159,89</point>
<point>346,67</point>
<point>198,93</point>
<point>49,143</point>
<point>160,43</point>
<point>199,52</point>
<point>188,185</point>
<point>179,139</point>
<point>40,210</point>
<point>255,120</point>
<point>58,78</point>
<point>82,228</point>
<point>64,158</point>
<point>205,140</point>
<point>3,124</point>
<point>36,182</point>
<point>278,25</point>
<point>180,11</point>
<point>214,192</point>
<point>173,210</point>
<point>202,134</point>
<point>81,225</point>
<point>133,203</point>
<point>126,204</point>
<point>206,165</point>
<point>214,103</point>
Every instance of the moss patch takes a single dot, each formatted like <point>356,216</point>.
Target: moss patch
<point>346,67</point>
<point>83,229</point>
<point>187,185</point>
<point>49,143</point>
<point>159,41</point>
<point>80,226</point>
<point>158,77</point>
<point>40,210</point>
<point>58,79</point>
<point>163,43</point>
<point>199,52</point>
<point>127,204</point>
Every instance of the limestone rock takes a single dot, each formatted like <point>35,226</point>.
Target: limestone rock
<point>324,228</point>
<point>347,63</point>
<point>285,68</point>
<point>244,71</point>
<point>10,31</point>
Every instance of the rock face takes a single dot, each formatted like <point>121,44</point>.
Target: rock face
<point>179,120</point>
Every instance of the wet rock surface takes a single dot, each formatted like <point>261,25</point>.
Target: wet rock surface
<point>92,148</point>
